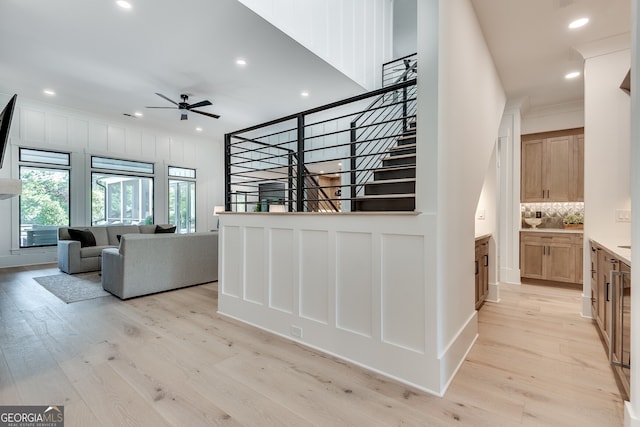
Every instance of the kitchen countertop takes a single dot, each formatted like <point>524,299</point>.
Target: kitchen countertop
<point>551,230</point>
<point>482,236</point>
<point>614,247</point>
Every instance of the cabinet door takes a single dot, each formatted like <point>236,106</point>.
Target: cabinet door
<point>532,159</point>
<point>532,254</point>
<point>624,331</point>
<point>558,160</point>
<point>560,262</point>
<point>606,263</point>
<point>579,263</point>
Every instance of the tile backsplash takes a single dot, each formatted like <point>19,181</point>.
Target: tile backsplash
<point>552,213</point>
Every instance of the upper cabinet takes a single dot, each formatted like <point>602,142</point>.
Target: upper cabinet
<point>552,167</point>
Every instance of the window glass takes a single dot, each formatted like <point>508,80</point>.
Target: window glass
<point>44,202</point>
<point>121,199</point>
<point>121,165</point>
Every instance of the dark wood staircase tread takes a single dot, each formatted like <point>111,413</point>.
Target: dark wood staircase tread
<point>402,147</point>
<point>387,196</point>
<point>395,168</point>
<point>391,181</point>
<point>399,156</point>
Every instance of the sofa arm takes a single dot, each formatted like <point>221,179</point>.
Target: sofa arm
<point>112,271</point>
<point>68,255</point>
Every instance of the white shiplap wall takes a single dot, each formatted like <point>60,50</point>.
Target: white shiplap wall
<point>48,127</point>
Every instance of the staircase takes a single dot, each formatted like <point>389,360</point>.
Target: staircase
<point>394,183</point>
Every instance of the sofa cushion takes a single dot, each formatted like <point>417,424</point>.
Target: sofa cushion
<point>114,230</point>
<point>160,229</point>
<point>92,251</point>
<point>147,228</point>
<point>85,237</point>
<point>100,231</point>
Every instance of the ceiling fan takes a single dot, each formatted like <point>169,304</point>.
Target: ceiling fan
<point>185,107</point>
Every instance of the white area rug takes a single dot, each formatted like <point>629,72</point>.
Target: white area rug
<point>73,288</point>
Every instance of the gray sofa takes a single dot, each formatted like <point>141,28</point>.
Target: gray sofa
<point>72,258</point>
<point>146,264</point>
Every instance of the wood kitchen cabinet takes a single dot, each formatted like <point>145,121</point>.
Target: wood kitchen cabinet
<point>550,256</point>
<point>552,167</point>
<point>611,309</point>
<point>482,270</point>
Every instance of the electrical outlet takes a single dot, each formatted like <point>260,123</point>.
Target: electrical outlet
<point>480,214</point>
<point>296,331</point>
<point>623,215</point>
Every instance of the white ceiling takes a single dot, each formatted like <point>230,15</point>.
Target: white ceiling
<point>533,48</point>
<point>105,60</point>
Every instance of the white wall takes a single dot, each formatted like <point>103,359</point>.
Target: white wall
<point>487,208</point>
<point>45,126</point>
<point>391,292</point>
<point>405,21</point>
<point>355,36</point>
<point>553,117</point>
<point>606,159</point>
<point>632,408</point>
<point>471,104</point>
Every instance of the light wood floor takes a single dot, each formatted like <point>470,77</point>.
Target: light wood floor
<point>168,359</point>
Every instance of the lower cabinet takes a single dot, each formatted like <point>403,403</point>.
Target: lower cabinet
<point>611,309</point>
<point>482,270</point>
<point>551,256</point>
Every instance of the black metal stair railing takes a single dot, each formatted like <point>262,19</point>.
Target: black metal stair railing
<point>320,159</point>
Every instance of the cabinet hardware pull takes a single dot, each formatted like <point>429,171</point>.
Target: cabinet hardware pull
<point>486,260</point>
<point>606,291</point>
<point>477,267</point>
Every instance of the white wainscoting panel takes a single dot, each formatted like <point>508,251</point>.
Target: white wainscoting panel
<point>116,139</point>
<point>403,299</point>
<point>33,125</point>
<point>79,133</point>
<point>281,270</point>
<point>354,265</point>
<point>58,129</point>
<point>314,275</point>
<point>254,272</point>
<point>134,142</point>
<point>98,136</point>
<point>232,272</point>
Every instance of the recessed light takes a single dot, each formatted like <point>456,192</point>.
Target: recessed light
<point>241,61</point>
<point>304,94</point>
<point>578,23</point>
<point>321,171</point>
<point>340,164</point>
<point>123,4</point>
<point>137,114</point>
<point>199,129</point>
<point>572,75</point>
<point>49,92</point>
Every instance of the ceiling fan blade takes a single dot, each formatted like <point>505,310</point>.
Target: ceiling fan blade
<point>215,116</point>
<point>162,96</point>
<point>170,108</point>
<point>200,104</point>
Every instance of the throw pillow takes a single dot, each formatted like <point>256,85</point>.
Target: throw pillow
<point>85,237</point>
<point>165,230</point>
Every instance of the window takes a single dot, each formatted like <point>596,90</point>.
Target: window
<point>118,197</point>
<point>44,202</point>
<point>182,199</point>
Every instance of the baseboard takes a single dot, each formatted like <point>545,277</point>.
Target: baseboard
<point>494,293</point>
<point>510,276</point>
<point>630,419</point>
<point>452,358</point>
<point>586,307</point>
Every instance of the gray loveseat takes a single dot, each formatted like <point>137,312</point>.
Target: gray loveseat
<point>146,264</point>
<point>73,258</point>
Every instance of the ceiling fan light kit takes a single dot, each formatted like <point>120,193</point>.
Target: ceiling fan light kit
<point>185,107</point>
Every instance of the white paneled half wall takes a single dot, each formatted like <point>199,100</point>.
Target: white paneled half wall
<point>358,286</point>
